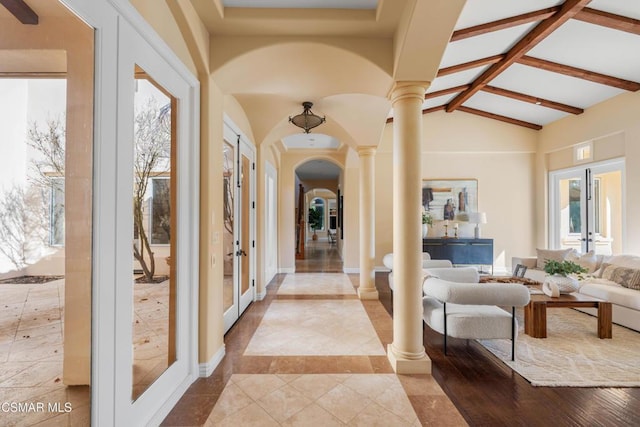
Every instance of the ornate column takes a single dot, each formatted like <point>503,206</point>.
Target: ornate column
<point>406,353</point>
<point>367,289</point>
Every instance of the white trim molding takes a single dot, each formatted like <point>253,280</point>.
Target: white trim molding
<point>207,368</point>
<point>288,270</point>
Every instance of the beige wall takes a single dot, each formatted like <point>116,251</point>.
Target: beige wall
<point>459,145</point>
<point>615,129</point>
<point>159,16</point>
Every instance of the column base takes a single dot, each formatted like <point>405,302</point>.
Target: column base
<point>368,294</point>
<point>401,365</point>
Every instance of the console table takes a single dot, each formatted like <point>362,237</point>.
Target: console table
<point>461,251</point>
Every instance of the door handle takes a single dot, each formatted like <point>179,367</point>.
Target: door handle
<point>241,252</point>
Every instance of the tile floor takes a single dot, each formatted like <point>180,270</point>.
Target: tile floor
<point>31,350</point>
<point>31,331</point>
<point>261,385</point>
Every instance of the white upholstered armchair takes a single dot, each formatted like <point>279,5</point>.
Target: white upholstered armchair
<point>472,310</point>
<point>427,263</point>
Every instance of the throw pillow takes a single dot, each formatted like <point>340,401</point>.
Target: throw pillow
<point>627,277</point>
<point>545,255</point>
<point>588,260</point>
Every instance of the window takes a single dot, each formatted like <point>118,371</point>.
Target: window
<point>56,212</point>
<point>583,153</point>
<point>160,212</point>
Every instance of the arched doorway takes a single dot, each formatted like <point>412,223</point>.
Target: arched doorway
<point>318,225</point>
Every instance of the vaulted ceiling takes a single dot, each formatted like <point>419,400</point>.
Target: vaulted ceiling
<point>531,62</point>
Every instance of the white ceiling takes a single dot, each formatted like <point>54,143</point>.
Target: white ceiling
<point>311,141</point>
<point>590,47</point>
<point>303,4</point>
<point>318,170</point>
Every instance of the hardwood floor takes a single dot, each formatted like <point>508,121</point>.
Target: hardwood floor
<point>488,393</point>
<point>320,257</point>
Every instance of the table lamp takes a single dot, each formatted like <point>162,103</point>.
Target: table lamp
<point>477,218</point>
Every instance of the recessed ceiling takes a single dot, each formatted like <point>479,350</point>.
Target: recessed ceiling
<point>311,141</point>
<point>303,4</point>
<point>318,170</point>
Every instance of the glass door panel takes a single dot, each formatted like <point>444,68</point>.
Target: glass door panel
<point>245,252</point>
<point>46,217</point>
<point>607,212</point>
<point>570,211</point>
<point>238,182</point>
<point>154,199</point>
<point>229,291</point>
<point>586,208</point>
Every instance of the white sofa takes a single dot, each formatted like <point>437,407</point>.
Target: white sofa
<point>604,282</point>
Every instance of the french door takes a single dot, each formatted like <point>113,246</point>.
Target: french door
<point>239,227</point>
<point>586,208</point>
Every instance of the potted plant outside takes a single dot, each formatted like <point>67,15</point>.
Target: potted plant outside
<point>563,277</point>
<point>315,221</point>
<point>427,220</point>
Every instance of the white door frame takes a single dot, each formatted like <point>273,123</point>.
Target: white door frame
<point>242,146</point>
<point>579,171</point>
<point>111,346</point>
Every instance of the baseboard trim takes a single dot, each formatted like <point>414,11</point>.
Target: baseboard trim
<point>351,270</point>
<point>260,295</point>
<point>288,270</point>
<point>206,369</point>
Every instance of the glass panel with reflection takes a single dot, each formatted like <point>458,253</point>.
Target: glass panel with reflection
<point>154,207</point>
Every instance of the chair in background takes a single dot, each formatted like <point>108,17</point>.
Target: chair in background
<point>427,263</point>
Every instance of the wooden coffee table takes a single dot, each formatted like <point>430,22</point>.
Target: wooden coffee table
<point>535,313</point>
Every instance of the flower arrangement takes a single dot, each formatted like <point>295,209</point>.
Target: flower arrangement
<point>427,218</point>
<point>563,268</point>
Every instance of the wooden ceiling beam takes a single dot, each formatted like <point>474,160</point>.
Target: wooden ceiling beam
<point>21,11</point>
<point>567,11</point>
<point>533,100</point>
<point>425,111</point>
<point>500,118</point>
<point>442,92</point>
<point>469,65</point>
<point>579,73</point>
<point>503,24</point>
<point>609,20</point>
<point>434,109</point>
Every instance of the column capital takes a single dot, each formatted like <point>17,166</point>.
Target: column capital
<point>366,150</point>
<point>408,89</point>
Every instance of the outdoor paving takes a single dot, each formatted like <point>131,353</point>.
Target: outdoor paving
<point>31,352</point>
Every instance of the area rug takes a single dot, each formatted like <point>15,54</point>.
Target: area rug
<point>572,355</point>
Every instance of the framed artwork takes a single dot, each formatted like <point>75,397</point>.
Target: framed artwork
<point>450,199</point>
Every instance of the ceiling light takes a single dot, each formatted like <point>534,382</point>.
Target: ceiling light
<point>307,120</point>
